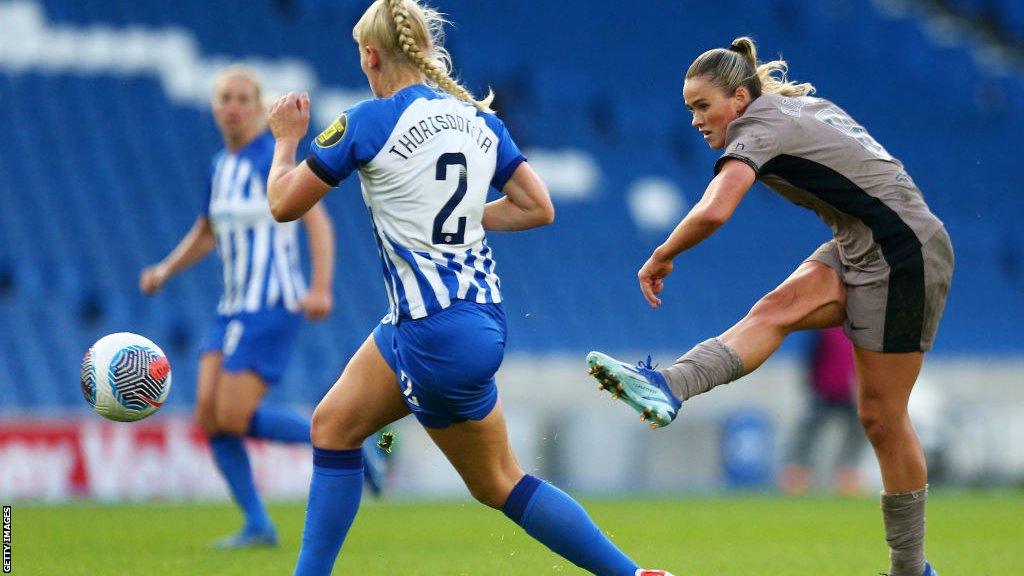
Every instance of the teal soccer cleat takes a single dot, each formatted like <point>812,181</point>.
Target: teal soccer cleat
<point>640,386</point>
<point>266,538</point>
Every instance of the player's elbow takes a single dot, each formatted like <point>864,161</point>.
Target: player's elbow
<point>547,215</point>
<point>714,216</point>
<point>283,213</point>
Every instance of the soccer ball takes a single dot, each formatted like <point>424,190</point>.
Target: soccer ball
<point>125,377</point>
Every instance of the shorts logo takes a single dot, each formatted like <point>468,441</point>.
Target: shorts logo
<point>232,336</point>
<point>407,388</point>
<point>333,134</point>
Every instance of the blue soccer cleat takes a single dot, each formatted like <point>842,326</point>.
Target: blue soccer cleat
<point>266,538</point>
<point>640,386</point>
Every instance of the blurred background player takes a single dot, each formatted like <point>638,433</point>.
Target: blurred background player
<point>832,383</point>
<point>884,276</point>
<point>426,156</point>
<point>265,295</point>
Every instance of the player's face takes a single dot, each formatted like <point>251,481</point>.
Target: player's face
<point>712,109</point>
<point>236,107</point>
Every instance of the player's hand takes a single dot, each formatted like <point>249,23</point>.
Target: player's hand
<point>317,304</point>
<point>652,278</point>
<point>152,279</point>
<point>289,116</point>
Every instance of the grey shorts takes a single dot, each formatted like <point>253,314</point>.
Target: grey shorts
<point>895,308</point>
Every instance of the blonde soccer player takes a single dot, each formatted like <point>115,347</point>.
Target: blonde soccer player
<point>426,152</point>
<point>884,276</point>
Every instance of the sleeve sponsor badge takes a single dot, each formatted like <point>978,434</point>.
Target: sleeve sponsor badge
<point>333,134</point>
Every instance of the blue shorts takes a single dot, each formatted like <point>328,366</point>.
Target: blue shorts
<point>446,362</point>
<point>260,341</point>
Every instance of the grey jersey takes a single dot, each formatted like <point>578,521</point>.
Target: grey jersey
<point>812,153</point>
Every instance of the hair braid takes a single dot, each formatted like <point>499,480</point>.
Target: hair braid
<point>435,69</point>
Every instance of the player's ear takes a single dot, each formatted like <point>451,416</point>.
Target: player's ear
<point>741,98</point>
<point>372,57</point>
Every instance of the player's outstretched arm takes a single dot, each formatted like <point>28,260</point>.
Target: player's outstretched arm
<point>526,204</point>
<point>291,190</point>
<point>720,200</point>
<point>319,301</point>
<point>194,246</point>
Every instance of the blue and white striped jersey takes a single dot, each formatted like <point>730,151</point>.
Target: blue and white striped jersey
<point>260,256</point>
<point>426,161</point>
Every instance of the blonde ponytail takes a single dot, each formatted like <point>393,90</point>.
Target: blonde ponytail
<point>415,33</point>
<point>738,66</point>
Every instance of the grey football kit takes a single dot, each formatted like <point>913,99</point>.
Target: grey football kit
<point>891,252</point>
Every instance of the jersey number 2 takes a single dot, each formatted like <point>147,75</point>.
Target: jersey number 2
<point>459,236</point>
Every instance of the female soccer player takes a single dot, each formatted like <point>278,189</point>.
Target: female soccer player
<point>426,155</point>
<point>884,277</point>
<point>265,294</point>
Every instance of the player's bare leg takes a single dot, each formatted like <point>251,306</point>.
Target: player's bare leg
<point>365,399</point>
<point>238,394</point>
<point>206,392</point>
<point>884,382</point>
<point>224,404</point>
<point>812,297</point>
<point>481,454</point>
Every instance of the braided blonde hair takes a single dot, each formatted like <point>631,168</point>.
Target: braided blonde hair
<point>730,68</point>
<point>408,31</point>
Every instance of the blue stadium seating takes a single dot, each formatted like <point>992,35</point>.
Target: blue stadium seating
<point>101,175</point>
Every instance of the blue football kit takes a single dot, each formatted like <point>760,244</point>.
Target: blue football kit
<point>258,314</point>
<point>426,162</point>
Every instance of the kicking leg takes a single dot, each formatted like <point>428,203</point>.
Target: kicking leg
<point>812,297</point>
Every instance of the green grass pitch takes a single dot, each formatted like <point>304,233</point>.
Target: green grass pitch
<point>969,534</point>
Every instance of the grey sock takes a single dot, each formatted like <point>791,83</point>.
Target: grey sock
<point>705,366</point>
<point>903,515</point>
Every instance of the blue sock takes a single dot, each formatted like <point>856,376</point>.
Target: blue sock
<point>560,523</point>
<point>334,494</point>
<point>281,424</point>
<point>233,462</point>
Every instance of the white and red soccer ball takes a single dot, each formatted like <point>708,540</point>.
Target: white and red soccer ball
<point>125,377</point>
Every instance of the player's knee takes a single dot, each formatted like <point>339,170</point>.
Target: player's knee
<point>881,425</point>
<point>772,310</point>
<point>206,419</point>
<point>786,306</point>
<point>233,421</point>
<point>491,494</point>
<point>331,430</point>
